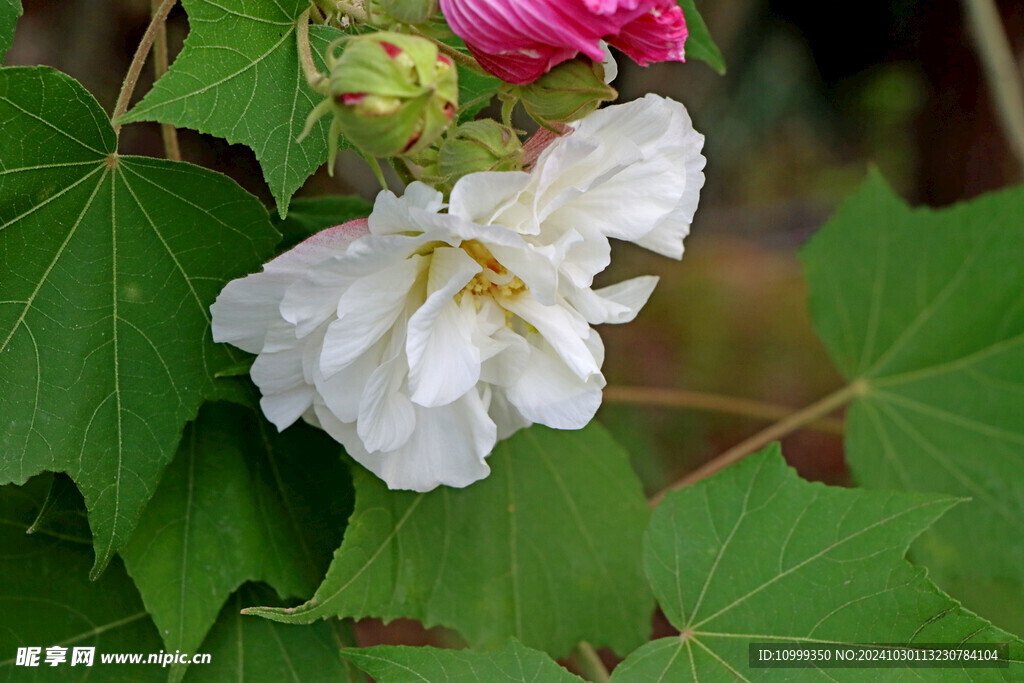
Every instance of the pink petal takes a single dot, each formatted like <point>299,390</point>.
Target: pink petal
<point>656,36</point>
<point>518,40</point>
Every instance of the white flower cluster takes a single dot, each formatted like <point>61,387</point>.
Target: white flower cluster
<point>420,336</point>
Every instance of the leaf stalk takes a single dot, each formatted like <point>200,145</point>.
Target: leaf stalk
<point>1004,79</point>
<point>138,61</point>
<point>800,418</point>
<point>585,657</point>
<point>699,400</point>
<point>167,131</point>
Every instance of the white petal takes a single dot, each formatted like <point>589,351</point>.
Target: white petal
<point>505,367</point>
<point>589,254</point>
<point>319,246</point>
<point>367,309</point>
<point>549,393</point>
<point>286,394</point>
<point>447,447</point>
<point>478,197</point>
<point>564,170</point>
<point>630,203</point>
<point>390,215</point>
<point>535,266</point>
<point>278,370</point>
<point>629,170</point>
<point>386,416</point>
<point>564,329</point>
<point>411,212</point>
<point>423,196</point>
<point>618,303</point>
<point>313,299</point>
<point>246,309</point>
<point>284,408</point>
<point>342,392</point>
<point>505,415</point>
<point>611,67</point>
<point>667,236</point>
<point>443,361</point>
<point>310,416</point>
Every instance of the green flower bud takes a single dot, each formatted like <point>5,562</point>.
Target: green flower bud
<point>385,12</point>
<point>483,145</point>
<point>391,94</point>
<point>567,93</point>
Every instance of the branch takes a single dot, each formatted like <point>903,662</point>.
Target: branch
<point>1004,79</point>
<point>138,61</point>
<point>681,398</point>
<point>167,131</point>
<point>778,430</point>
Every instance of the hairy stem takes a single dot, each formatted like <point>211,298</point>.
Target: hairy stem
<point>313,77</point>
<point>811,413</point>
<point>589,663</point>
<point>682,398</point>
<point>167,131</point>
<point>139,60</point>
<point>354,11</point>
<point>1004,79</point>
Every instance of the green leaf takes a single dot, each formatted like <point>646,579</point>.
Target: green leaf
<point>309,215</point>
<point>699,44</point>
<point>46,598</point>
<point>238,504</point>
<point>238,78</point>
<point>250,649</point>
<point>514,662</point>
<point>546,549</point>
<point>108,266</point>
<point>925,309</point>
<point>10,10</point>
<point>757,554</point>
<point>475,92</point>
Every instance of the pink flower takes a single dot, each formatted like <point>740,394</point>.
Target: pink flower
<point>518,40</point>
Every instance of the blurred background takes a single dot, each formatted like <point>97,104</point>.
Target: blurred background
<point>807,105</point>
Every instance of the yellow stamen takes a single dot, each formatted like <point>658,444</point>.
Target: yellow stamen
<point>494,280</point>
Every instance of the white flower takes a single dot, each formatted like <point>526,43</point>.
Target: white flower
<point>418,338</point>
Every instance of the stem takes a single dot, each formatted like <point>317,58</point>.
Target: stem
<point>313,76</point>
<point>778,430</point>
<point>1004,79</point>
<point>353,11</point>
<point>167,131</point>
<point>132,77</point>
<point>681,398</point>
<point>507,106</point>
<point>458,57</point>
<point>589,663</point>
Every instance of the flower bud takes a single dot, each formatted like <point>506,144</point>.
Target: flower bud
<point>484,145</point>
<point>567,93</point>
<point>402,11</point>
<point>391,94</point>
